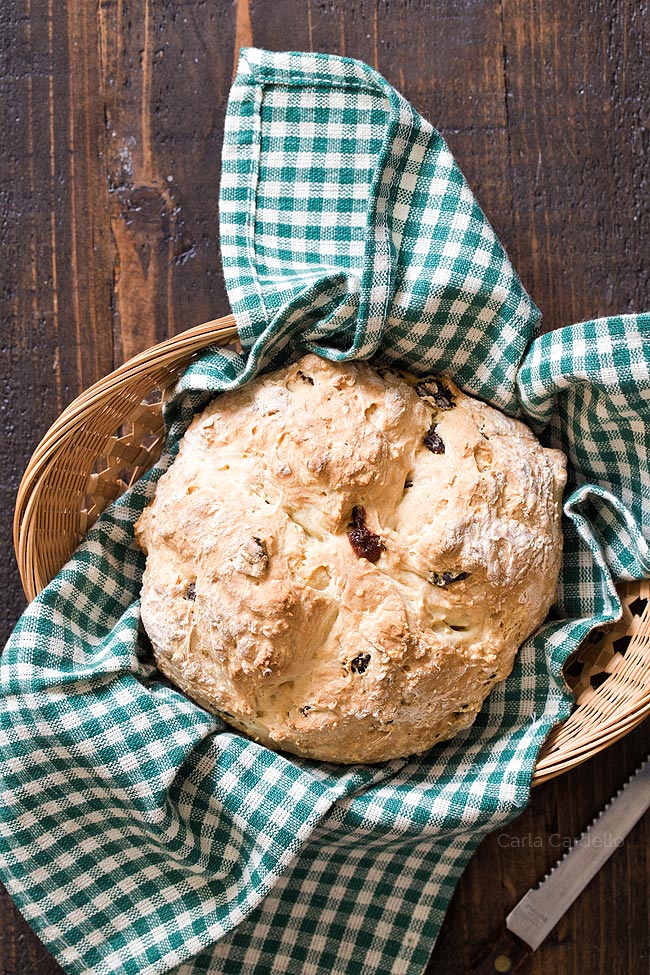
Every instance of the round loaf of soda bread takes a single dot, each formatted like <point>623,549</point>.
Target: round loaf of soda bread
<point>343,561</point>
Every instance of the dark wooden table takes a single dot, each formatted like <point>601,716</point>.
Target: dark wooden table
<point>112,124</point>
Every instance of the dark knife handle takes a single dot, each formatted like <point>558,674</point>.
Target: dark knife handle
<point>504,955</point>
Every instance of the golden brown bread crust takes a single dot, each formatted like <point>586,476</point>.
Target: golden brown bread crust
<point>343,563</point>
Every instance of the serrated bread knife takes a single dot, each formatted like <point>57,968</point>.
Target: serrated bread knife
<point>538,911</point>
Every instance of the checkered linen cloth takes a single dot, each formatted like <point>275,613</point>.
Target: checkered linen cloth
<point>138,834</point>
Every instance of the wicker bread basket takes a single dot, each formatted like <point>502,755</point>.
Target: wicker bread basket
<point>111,434</point>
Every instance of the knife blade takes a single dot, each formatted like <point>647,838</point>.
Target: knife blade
<point>539,910</point>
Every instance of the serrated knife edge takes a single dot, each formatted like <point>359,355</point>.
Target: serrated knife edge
<point>541,908</point>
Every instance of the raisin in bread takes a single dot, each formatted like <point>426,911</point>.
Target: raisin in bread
<point>343,561</point>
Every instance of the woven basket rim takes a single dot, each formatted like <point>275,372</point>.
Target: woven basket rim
<point>156,367</point>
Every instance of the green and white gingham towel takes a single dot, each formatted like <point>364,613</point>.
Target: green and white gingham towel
<point>138,834</point>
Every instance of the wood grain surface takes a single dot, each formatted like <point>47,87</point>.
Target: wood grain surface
<point>112,118</point>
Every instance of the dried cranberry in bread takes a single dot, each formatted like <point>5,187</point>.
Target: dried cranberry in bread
<point>343,561</point>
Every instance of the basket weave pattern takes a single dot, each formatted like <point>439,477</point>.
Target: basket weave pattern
<point>111,434</point>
